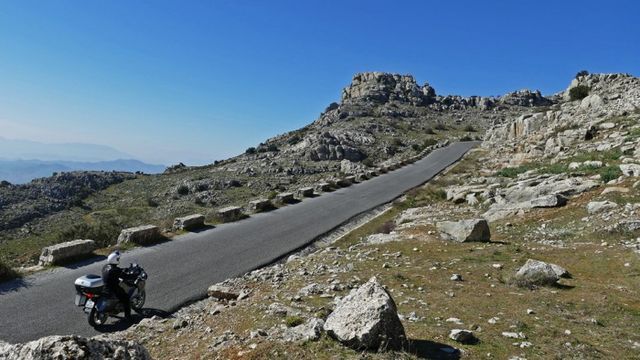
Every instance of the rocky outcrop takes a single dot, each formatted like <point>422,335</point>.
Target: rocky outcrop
<point>59,253</point>
<point>465,230</point>
<point>20,204</point>
<point>378,87</point>
<point>74,347</point>
<point>367,318</point>
<point>525,97</point>
<point>140,235</point>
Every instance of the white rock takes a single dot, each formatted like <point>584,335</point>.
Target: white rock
<point>367,318</point>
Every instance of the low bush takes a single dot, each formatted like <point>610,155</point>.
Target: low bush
<point>512,172</point>
<point>183,190</point>
<point>6,272</point>
<point>386,227</point>
<point>293,321</point>
<point>582,73</point>
<point>470,128</point>
<point>440,126</point>
<point>104,233</point>
<point>250,151</point>
<point>429,142</point>
<point>609,173</point>
<point>579,92</point>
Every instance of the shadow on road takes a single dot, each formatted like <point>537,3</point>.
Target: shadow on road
<point>85,262</point>
<point>202,229</point>
<point>425,349</point>
<point>122,324</point>
<point>13,285</point>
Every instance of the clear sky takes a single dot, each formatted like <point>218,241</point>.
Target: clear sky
<point>196,81</point>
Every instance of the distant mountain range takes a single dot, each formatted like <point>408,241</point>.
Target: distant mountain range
<point>23,171</point>
<point>23,160</point>
<point>26,149</point>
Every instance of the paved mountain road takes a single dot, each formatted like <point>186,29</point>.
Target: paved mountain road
<point>181,270</point>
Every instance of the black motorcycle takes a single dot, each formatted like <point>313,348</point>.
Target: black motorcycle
<point>99,303</point>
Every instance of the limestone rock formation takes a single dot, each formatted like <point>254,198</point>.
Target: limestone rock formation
<point>74,347</point>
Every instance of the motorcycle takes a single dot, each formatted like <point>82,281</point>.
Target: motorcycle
<point>99,304</point>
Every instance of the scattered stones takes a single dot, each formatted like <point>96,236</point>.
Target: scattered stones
<point>630,169</point>
<point>60,253</point>
<point>514,335</point>
<point>465,230</point>
<point>456,277</point>
<point>140,235</point>
<point>189,222</point>
<point>309,331</point>
<point>367,318</point>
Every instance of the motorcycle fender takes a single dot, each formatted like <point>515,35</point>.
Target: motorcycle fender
<point>141,285</point>
<point>101,305</point>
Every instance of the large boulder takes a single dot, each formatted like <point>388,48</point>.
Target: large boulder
<point>74,347</point>
<point>535,272</point>
<point>367,318</point>
<point>465,230</point>
<point>59,253</point>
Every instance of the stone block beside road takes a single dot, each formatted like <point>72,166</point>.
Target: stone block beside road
<point>59,253</point>
<point>139,235</point>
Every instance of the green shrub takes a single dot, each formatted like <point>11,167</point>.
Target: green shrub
<point>151,202</point>
<point>440,126</point>
<point>470,128</point>
<point>429,142</point>
<point>582,73</point>
<point>250,151</point>
<point>429,131</point>
<point>104,233</point>
<point>293,321</point>
<point>416,147</point>
<point>272,148</point>
<point>466,138</point>
<point>579,92</point>
<point>368,162</point>
<point>386,228</point>
<point>183,190</point>
<point>609,173</point>
<point>512,172</point>
<point>6,272</point>
<point>294,140</point>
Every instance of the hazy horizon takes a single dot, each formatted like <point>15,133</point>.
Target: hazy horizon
<point>195,82</point>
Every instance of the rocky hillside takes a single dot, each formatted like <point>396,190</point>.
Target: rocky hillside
<point>381,118</point>
<point>528,248</point>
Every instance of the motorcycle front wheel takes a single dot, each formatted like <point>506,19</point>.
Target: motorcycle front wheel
<point>96,318</point>
<point>137,301</point>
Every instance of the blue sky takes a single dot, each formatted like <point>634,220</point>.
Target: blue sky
<point>196,81</point>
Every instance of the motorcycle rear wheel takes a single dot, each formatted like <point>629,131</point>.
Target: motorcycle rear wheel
<point>96,318</point>
<point>137,301</point>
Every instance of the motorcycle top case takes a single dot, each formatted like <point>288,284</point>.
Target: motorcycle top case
<point>89,283</point>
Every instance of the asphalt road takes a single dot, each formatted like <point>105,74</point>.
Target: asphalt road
<point>181,270</point>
